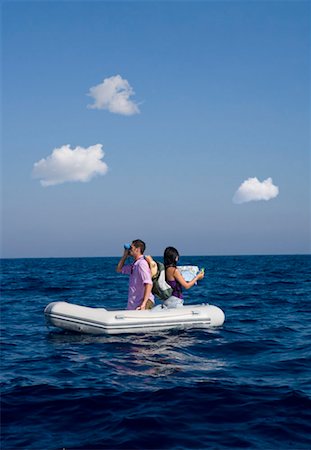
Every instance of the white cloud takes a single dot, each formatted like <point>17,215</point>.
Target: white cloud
<point>253,190</point>
<point>64,164</point>
<point>113,94</point>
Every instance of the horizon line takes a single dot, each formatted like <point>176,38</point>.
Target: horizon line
<point>157,256</point>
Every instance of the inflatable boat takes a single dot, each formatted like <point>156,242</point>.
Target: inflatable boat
<point>83,319</point>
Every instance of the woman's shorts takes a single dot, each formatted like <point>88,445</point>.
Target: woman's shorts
<point>173,302</point>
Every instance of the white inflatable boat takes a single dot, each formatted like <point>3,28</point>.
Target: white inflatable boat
<point>100,321</point>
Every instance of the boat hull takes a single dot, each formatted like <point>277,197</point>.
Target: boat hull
<point>83,319</point>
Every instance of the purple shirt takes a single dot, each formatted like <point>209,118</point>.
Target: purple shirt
<point>177,288</point>
<point>140,275</point>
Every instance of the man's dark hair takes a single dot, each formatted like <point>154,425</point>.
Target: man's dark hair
<point>170,257</point>
<point>138,243</point>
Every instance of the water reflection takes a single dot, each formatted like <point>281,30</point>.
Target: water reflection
<point>145,361</point>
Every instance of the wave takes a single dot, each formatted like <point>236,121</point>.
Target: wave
<point>193,417</point>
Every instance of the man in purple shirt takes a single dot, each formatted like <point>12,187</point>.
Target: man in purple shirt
<point>140,285</point>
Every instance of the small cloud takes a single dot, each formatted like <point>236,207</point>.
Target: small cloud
<point>64,164</point>
<point>113,94</point>
<point>253,190</point>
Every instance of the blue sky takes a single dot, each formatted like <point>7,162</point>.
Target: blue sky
<point>216,99</point>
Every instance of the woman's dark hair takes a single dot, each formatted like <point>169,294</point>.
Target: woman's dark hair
<point>170,257</point>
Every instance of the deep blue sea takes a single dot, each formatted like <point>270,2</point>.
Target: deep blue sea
<point>244,385</point>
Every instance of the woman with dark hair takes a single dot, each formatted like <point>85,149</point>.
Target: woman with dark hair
<point>175,279</point>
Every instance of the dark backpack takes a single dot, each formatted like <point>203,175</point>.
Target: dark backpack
<point>160,287</point>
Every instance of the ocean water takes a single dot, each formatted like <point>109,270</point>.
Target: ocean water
<point>244,385</point>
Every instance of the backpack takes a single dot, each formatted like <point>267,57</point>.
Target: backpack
<point>160,287</point>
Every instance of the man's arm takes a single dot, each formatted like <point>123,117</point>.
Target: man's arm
<point>148,288</point>
<point>122,261</point>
